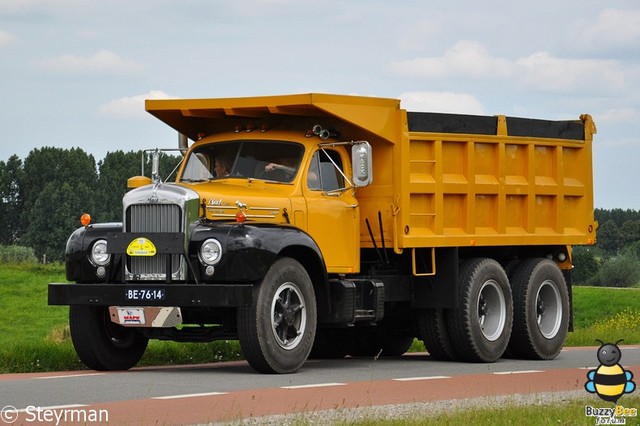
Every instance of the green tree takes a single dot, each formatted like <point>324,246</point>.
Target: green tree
<point>618,271</point>
<point>58,185</point>
<point>11,203</point>
<point>630,232</point>
<point>51,227</point>
<point>114,170</point>
<point>585,265</point>
<point>609,237</point>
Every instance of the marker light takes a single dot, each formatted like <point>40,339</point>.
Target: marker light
<point>241,217</point>
<point>85,219</point>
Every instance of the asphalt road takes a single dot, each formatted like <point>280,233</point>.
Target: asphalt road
<point>227,391</point>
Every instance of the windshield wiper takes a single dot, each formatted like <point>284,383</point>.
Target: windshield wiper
<point>193,180</point>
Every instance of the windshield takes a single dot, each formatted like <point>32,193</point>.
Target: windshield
<point>267,160</point>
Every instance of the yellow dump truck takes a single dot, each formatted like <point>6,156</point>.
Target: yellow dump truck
<point>326,225</point>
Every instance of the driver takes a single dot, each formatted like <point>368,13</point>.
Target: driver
<point>222,166</point>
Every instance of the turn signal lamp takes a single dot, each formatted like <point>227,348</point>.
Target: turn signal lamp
<point>241,217</point>
<point>85,219</point>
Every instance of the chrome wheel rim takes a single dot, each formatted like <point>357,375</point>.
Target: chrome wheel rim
<point>492,310</point>
<point>548,309</point>
<point>288,316</point>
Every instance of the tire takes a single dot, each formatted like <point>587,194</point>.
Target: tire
<point>432,324</point>
<point>277,333</point>
<point>100,343</point>
<point>480,326</point>
<point>541,310</point>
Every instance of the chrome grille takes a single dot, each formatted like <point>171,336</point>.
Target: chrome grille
<point>154,218</point>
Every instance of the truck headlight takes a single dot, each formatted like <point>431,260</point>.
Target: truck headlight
<point>210,251</point>
<point>99,255</point>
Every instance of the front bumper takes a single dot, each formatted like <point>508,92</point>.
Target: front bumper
<point>182,295</point>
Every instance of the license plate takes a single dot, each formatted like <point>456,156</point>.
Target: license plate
<point>134,294</point>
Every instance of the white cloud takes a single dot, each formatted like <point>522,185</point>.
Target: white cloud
<point>539,71</point>
<point>5,38</point>
<point>460,103</point>
<point>131,106</point>
<point>614,28</point>
<point>465,58</point>
<point>102,62</point>
<point>619,115</point>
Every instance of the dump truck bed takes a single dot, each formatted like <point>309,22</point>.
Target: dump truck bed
<point>483,181</point>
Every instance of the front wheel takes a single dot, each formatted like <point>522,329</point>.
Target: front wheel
<point>277,333</point>
<point>100,343</point>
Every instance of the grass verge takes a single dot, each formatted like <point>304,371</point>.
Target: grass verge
<point>567,412</point>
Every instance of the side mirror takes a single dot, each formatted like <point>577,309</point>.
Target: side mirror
<point>362,163</point>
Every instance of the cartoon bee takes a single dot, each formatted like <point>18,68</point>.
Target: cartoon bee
<point>609,381</point>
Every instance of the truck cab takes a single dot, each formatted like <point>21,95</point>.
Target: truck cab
<point>283,178</point>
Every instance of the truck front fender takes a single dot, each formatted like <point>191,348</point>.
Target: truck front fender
<point>251,249</point>
<point>78,266</point>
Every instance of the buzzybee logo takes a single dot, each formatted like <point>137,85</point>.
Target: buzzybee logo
<point>609,381</point>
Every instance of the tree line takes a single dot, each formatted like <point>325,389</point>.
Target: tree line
<point>614,261</point>
<point>43,196</point>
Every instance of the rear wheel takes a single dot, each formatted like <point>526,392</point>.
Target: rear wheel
<point>100,343</point>
<point>435,335</point>
<point>480,325</point>
<point>276,335</point>
<point>541,318</point>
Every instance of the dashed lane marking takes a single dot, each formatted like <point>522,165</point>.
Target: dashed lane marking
<point>317,385</point>
<point>503,373</point>
<point>411,379</point>
<point>190,395</point>
<point>68,376</point>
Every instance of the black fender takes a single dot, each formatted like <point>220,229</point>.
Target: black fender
<point>77,264</point>
<point>249,250</point>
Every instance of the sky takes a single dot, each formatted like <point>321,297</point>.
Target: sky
<point>75,73</point>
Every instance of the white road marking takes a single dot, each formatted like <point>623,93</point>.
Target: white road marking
<point>69,376</point>
<point>190,395</point>
<point>410,379</point>
<point>517,372</point>
<point>317,385</point>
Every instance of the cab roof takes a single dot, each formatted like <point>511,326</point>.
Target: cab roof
<point>191,117</point>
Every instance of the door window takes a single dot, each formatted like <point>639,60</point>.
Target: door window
<point>325,171</point>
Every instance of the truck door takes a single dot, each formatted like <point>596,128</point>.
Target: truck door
<point>332,212</point>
